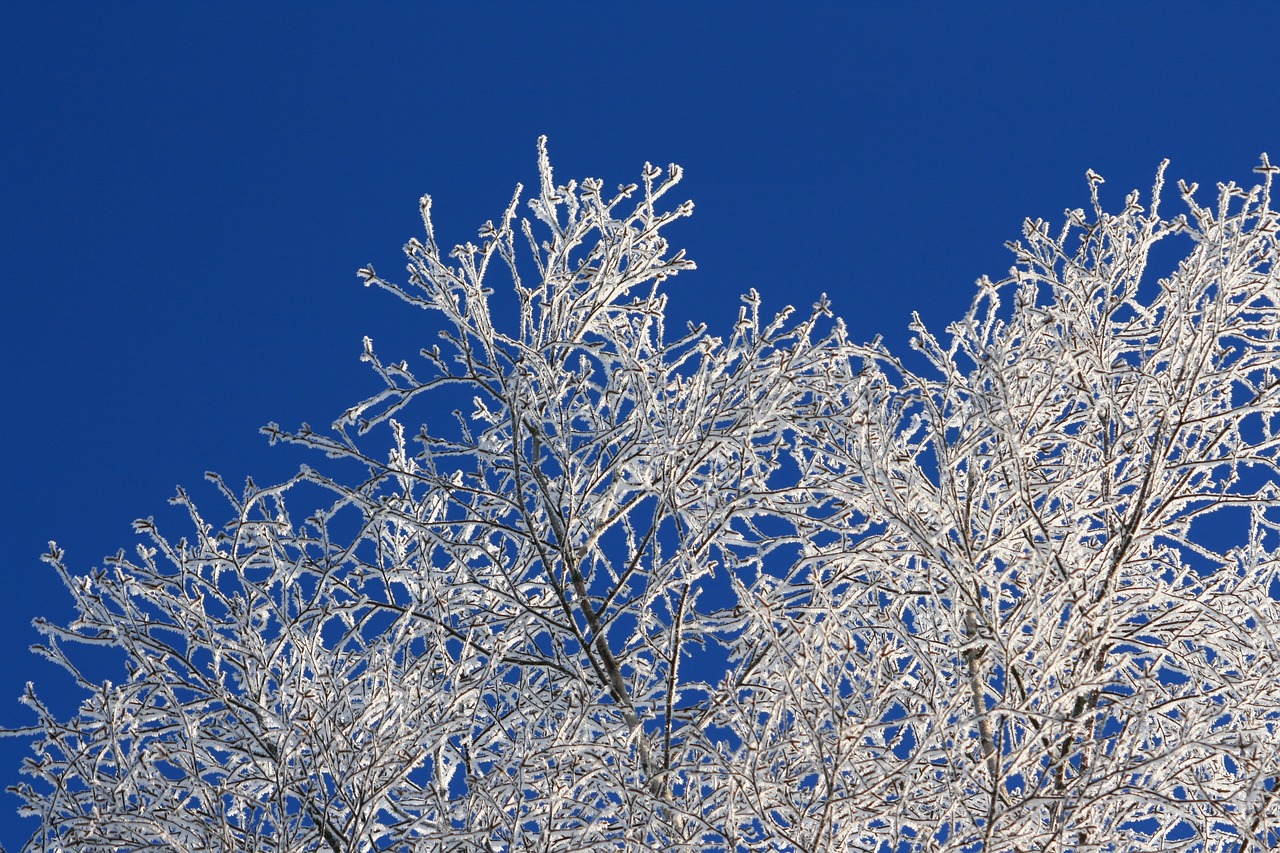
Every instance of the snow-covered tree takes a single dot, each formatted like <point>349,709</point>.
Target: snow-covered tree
<point>769,590</point>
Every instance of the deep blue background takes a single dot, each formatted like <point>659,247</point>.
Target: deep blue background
<point>187,193</point>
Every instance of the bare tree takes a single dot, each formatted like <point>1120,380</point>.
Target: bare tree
<point>765,591</point>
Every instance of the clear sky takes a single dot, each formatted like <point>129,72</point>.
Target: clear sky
<point>188,191</point>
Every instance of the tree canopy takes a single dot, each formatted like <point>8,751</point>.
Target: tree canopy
<point>766,589</point>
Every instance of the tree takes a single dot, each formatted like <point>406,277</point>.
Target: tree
<point>771,591</point>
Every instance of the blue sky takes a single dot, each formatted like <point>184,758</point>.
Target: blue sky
<point>189,190</point>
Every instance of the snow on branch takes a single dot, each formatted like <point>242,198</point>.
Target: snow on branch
<point>767,590</point>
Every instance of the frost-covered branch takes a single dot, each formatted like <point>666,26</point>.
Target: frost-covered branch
<point>768,590</point>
